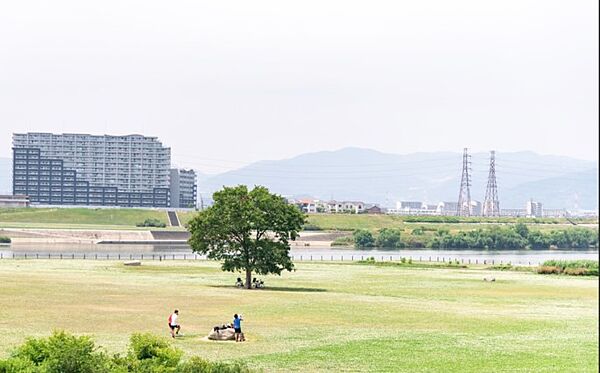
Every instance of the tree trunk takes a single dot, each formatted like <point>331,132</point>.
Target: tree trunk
<point>248,278</point>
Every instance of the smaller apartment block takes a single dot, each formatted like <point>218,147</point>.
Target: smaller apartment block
<point>183,188</point>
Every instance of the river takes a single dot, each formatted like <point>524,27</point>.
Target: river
<point>324,253</point>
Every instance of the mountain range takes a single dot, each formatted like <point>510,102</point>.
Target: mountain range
<point>373,176</point>
<point>384,178</point>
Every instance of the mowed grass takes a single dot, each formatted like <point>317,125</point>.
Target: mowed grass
<point>77,217</point>
<point>353,221</point>
<point>127,218</point>
<point>322,317</point>
<point>375,222</point>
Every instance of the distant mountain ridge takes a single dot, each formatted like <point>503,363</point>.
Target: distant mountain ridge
<point>372,176</point>
<point>384,178</point>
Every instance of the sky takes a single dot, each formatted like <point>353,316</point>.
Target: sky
<point>225,83</point>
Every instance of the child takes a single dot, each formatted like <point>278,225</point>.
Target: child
<point>237,326</point>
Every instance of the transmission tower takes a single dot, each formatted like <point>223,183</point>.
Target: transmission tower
<point>464,196</point>
<point>491,204</point>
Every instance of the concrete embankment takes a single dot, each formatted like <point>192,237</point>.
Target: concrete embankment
<point>22,235</point>
<point>84,236</point>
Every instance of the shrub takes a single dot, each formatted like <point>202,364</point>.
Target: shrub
<point>4,239</point>
<point>151,222</point>
<point>59,353</point>
<point>576,271</point>
<point>363,238</point>
<point>416,241</point>
<point>549,270</point>
<point>155,349</point>
<point>369,260</point>
<point>403,260</point>
<point>522,230</point>
<point>388,238</point>
<point>571,267</point>
<point>65,353</point>
<point>590,264</point>
<point>417,232</point>
<point>17,365</point>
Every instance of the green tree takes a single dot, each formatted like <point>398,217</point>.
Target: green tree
<point>363,238</point>
<point>388,238</point>
<point>522,230</point>
<point>248,230</point>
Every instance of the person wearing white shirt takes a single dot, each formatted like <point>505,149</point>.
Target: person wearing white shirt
<point>173,325</point>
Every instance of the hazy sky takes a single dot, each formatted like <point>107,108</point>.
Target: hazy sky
<point>228,82</point>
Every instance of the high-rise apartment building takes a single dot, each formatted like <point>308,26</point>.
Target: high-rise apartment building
<point>81,169</point>
<point>183,188</point>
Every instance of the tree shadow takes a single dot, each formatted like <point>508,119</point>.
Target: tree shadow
<point>275,288</point>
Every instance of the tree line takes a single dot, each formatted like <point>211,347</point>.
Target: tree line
<point>518,236</point>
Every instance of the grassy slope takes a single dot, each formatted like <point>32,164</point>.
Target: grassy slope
<point>58,217</point>
<point>322,317</point>
<point>375,222</point>
<point>128,218</point>
<point>185,216</point>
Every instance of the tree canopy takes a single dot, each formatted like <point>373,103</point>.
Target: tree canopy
<point>248,230</point>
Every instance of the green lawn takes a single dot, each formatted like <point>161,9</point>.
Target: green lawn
<point>352,222</point>
<point>61,217</point>
<point>323,317</point>
<point>375,222</point>
<point>125,218</point>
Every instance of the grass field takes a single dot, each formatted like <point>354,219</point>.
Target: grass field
<point>323,317</point>
<point>77,217</point>
<point>127,218</point>
<point>351,222</point>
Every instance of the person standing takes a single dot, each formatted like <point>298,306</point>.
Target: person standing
<point>237,327</point>
<point>173,325</point>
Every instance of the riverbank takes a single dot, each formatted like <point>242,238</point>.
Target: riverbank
<point>107,236</point>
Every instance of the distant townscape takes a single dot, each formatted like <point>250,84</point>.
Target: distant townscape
<point>532,209</point>
<point>136,171</point>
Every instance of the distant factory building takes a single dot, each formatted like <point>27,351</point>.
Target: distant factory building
<point>447,208</point>
<point>476,208</point>
<point>515,213</point>
<point>409,205</point>
<point>555,213</point>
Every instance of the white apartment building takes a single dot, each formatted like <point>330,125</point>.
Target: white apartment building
<point>344,206</point>
<point>534,209</point>
<point>131,163</point>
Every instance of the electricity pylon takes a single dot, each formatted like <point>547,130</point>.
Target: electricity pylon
<point>464,195</point>
<point>491,204</point>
